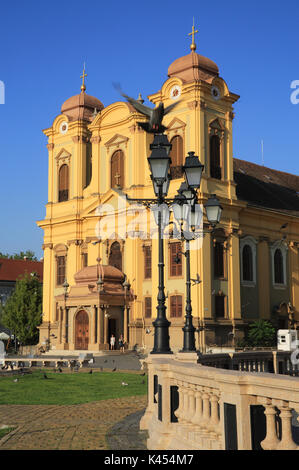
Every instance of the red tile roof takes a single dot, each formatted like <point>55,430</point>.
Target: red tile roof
<point>264,187</point>
<point>11,269</point>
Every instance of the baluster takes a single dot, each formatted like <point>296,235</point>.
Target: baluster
<point>271,440</point>
<point>191,403</point>
<point>197,418</point>
<point>179,410</point>
<point>205,410</point>
<point>286,442</point>
<point>214,425</point>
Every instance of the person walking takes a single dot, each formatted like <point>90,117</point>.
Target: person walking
<point>121,343</point>
<point>112,342</point>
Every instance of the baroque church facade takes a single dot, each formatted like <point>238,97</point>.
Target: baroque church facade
<point>100,255</point>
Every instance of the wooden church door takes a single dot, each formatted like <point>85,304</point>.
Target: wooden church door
<point>81,330</point>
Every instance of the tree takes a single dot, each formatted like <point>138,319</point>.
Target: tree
<point>261,333</point>
<point>22,312</point>
<point>30,255</point>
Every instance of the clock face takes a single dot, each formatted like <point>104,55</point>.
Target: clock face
<point>175,92</point>
<point>63,127</point>
<point>215,92</point>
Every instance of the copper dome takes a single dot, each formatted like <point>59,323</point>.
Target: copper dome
<point>81,106</point>
<point>192,67</point>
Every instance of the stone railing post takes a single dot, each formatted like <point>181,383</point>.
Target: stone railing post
<point>271,440</point>
<point>286,442</point>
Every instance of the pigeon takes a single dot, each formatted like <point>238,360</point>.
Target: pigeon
<point>113,370</point>
<point>155,115</point>
<point>196,281</point>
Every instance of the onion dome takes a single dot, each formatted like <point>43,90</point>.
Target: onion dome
<point>193,66</point>
<point>82,106</point>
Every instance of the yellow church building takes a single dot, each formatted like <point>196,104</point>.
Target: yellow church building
<point>101,253</point>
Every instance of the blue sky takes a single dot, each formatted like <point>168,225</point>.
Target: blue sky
<point>43,47</point>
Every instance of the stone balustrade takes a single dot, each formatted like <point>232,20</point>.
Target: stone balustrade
<point>194,407</point>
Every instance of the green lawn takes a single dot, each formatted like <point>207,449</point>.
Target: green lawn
<point>69,388</point>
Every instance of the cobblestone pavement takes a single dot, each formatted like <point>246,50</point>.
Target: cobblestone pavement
<point>108,424</point>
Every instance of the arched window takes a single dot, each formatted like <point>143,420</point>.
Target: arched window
<point>278,267</point>
<point>117,170</point>
<point>115,256</point>
<point>177,157</point>
<point>215,166</point>
<point>63,188</point>
<point>247,260</point>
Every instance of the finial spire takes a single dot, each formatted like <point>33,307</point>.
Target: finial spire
<point>193,45</point>
<point>83,87</point>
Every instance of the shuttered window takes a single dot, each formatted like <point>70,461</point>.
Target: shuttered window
<point>60,270</point>
<point>247,263</point>
<point>176,306</point>
<point>220,306</point>
<point>218,260</point>
<point>177,157</point>
<point>175,262</point>
<point>117,170</point>
<point>278,267</point>
<point>115,256</point>
<point>147,307</point>
<point>63,190</point>
<point>147,262</point>
<point>215,168</point>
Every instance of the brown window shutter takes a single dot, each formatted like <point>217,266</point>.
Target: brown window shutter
<point>148,307</point>
<point>218,260</point>
<point>115,256</point>
<point>177,157</point>
<point>60,270</point>
<point>215,168</point>
<point>175,268</point>
<point>247,263</point>
<point>176,306</point>
<point>219,306</point>
<point>117,169</point>
<point>147,262</point>
<point>278,267</point>
<point>63,191</point>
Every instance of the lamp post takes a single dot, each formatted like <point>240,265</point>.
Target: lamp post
<point>185,212</point>
<point>65,287</point>
<point>184,205</point>
<point>159,163</point>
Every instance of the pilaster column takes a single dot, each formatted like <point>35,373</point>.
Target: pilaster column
<point>263,279</point>
<point>93,326</point>
<point>106,339</point>
<point>60,324</point>
<point>126,317</point>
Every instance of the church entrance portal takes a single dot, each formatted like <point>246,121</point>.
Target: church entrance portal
<point>81,330</point>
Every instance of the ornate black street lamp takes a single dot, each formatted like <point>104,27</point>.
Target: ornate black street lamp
<point>185,213</point>
<point>159,163</point>
<point>184,207</point>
